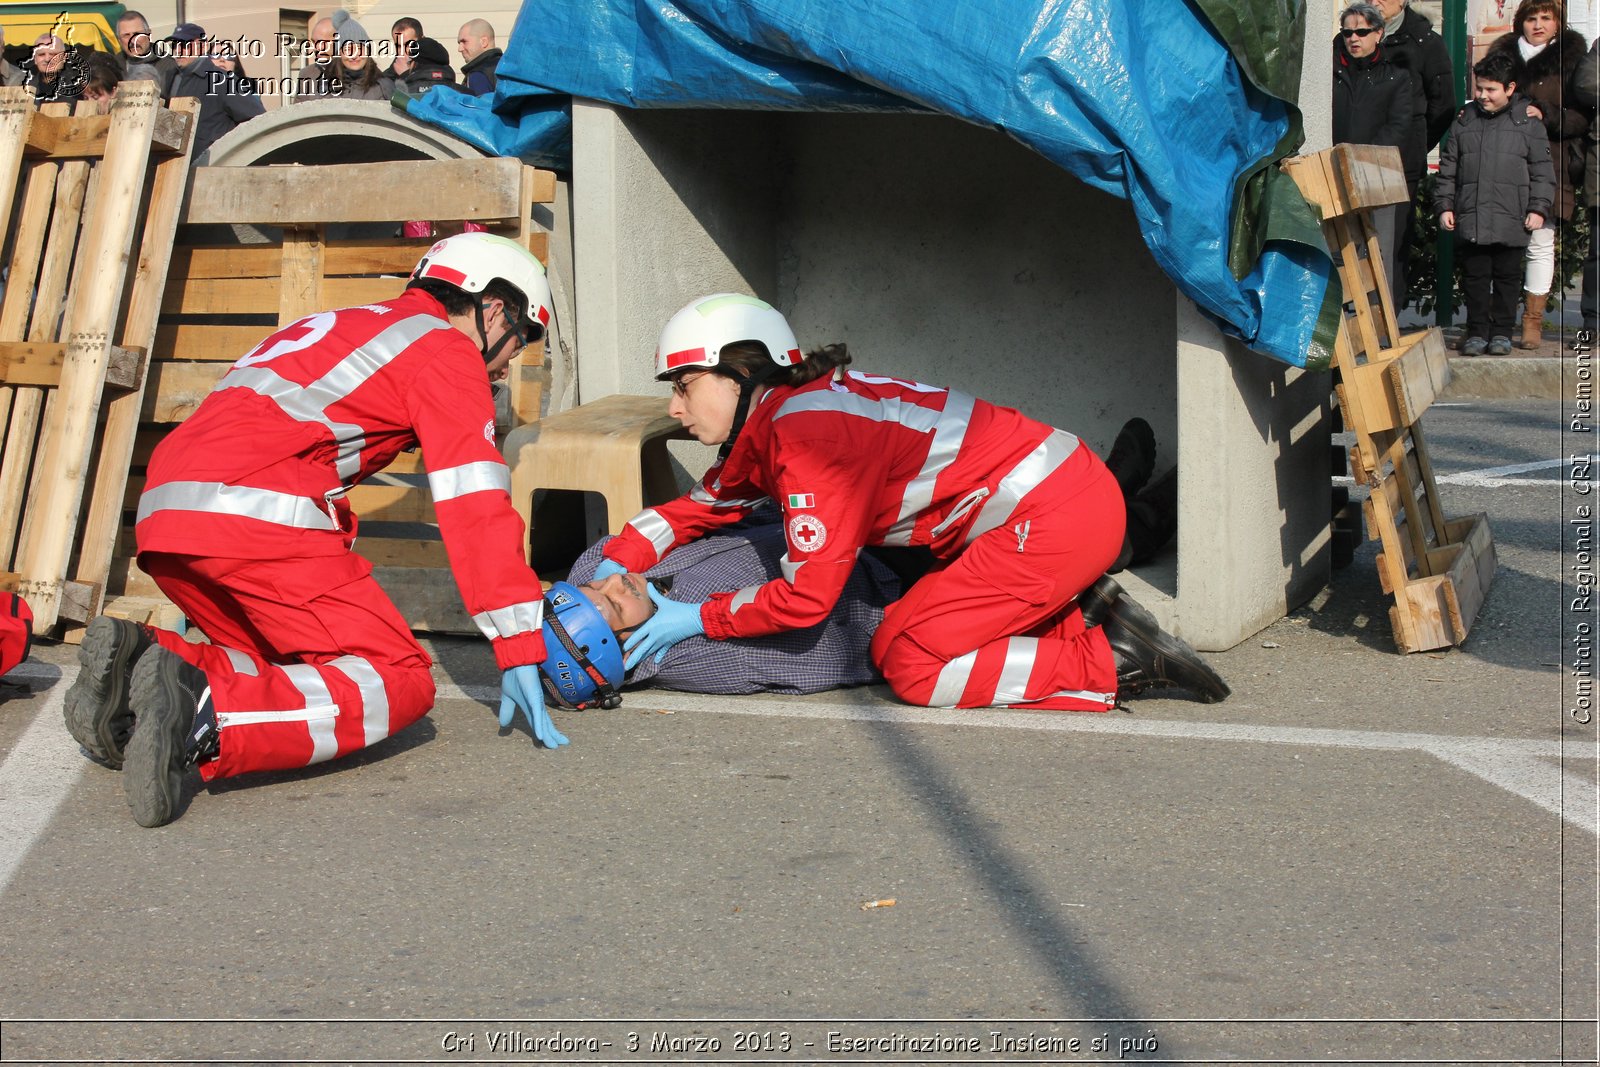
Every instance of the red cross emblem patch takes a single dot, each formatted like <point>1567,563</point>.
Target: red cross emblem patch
<point>807,532</point>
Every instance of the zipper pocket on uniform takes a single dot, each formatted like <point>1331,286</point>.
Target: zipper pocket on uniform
<point>959,512</point>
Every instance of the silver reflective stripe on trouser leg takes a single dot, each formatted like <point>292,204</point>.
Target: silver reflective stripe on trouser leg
<point>324,746</point>
<point>511,620</point>
<point>242,664</point>
<point>1022,479</point>
<point>374,697</point>
<point>952,681</point>
<point>319,712</point>
<point>454,482</point>
<point>1012,688</point>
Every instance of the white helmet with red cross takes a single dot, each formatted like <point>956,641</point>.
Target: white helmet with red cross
<point>696,335</point>
<point>470,261</point>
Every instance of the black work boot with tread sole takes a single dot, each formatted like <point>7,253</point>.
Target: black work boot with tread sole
<point>1147,657</point>
<point>165,694</point>
<point>96,707</point>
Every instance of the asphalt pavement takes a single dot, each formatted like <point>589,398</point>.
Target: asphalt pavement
<point>1359,857</point>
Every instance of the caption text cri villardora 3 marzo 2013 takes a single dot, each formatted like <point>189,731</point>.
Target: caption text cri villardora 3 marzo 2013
<point>766,1042</point>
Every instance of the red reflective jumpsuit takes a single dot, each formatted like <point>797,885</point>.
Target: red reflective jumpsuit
<point>1021,517</point>
<point>243,523</point>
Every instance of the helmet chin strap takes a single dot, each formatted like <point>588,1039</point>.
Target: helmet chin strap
<point>490,354</point>
<point>747,390</point>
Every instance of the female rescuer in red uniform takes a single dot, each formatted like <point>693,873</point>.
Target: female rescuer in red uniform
<point>1022,518</point>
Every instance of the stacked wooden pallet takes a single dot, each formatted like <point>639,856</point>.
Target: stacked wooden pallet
<point>91,204</point>
<point>1438,569</point>
<point>220,301</point>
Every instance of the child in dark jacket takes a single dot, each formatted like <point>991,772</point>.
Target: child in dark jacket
<point>1495,187</point>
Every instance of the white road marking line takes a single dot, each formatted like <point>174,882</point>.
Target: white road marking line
<point>42,766</point>
<point>1533,779</point>
<point>1522,767</point>
<point>35,778</point>
<point>1495,477</point>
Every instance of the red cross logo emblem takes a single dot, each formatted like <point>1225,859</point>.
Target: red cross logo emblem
<point>807,532</point>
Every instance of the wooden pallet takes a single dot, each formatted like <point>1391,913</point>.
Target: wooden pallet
<point>221,300</point>
<point>1437,569</point>
<point>91,205</point>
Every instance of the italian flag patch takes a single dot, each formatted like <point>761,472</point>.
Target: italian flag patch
<point>802,500</point>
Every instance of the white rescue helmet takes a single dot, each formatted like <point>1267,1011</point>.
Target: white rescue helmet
<point>697,334</point>
<point>470,261</point>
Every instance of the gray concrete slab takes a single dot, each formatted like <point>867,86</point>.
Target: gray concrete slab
<point>1360,856</point>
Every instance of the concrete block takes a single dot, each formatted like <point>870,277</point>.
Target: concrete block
<point>947,253</point>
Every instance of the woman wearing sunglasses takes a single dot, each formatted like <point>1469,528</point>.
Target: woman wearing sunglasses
<point>1374,102</point>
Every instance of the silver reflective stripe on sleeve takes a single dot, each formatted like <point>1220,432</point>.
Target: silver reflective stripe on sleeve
<point>511,620</point>
<point>1021,480</point>
<point>891,409</point>
<point>948,436</point>
<point>243,501</point>
<point>1012,688</point>
<point>242,664</point>
<point>653,528</point>
<point>742,597</point>
<point>700,495</point>
<point>453,482</point>
<point>952,681</point>
<point>374,697</point>
<point>790,568</point>
<point>310,403</point>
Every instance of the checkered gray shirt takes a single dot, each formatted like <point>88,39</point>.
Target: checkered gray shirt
<point>829,655</point>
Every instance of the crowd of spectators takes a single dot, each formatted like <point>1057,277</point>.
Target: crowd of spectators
<point>1383,45</point>
<point>343,63</point>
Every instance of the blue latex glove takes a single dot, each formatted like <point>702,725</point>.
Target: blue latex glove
<point>673,621</point>
<point>607,568</point>
<point>520,688</point>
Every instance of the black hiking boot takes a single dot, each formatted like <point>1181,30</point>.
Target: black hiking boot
<point>173,728</point>
<point>96,707</point>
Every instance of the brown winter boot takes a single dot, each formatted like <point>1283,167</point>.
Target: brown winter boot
<point>1532,320</point>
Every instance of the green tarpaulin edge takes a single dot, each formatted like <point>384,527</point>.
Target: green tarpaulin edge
<point>1267,39</point>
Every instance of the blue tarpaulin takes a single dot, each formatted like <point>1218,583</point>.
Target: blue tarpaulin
<point>1178,107</point>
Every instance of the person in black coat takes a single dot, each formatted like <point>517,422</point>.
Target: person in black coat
<point>1547,52</point>
<point>1412,44</point>
<point>1373,103</point>
<point>226,99</point>
<point>480,59</point>
<point>420,62</point>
